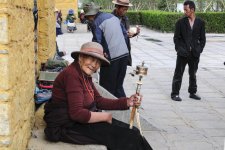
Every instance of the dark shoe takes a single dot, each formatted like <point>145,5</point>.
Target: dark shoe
<point>176,98</point>
<point>194,96</point>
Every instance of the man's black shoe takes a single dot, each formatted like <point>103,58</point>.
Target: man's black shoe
<point>194,96</point>
<point>176,98</point>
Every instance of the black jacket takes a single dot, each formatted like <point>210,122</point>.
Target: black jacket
<point>189,40</point>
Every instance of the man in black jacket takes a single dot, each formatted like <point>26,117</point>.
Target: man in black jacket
<point>189,39</point>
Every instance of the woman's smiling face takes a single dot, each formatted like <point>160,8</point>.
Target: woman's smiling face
<point>89,64</point>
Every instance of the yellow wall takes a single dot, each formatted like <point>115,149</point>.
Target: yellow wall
<point>17,66</point>
<point>46,30</point>
<point>16,73</point>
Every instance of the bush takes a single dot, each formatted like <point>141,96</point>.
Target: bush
<point>134,17</point>
<point>165,21</point>
<point>159,20</point>
<point>215,21</point>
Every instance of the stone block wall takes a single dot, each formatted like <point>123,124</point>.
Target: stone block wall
<point>16,73</point>
<point>65,5</point>
<point>46,30</point>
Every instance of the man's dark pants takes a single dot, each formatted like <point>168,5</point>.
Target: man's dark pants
<point>178,74</point>
<point>112,77</point>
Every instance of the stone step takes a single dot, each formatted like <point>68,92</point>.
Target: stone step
<point>38,142</point>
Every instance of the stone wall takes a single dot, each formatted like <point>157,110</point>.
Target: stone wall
<point>16,73</point>
<point>46,30</point>
<point>17,66</point>
<point>65,5</point>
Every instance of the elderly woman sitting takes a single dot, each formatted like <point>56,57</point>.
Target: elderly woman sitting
<point>74,113</point>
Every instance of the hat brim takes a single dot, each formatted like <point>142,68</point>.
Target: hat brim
<point>90,14</point>
<point>104,61</point>
<point>93,11</point>
<point>128,5</point>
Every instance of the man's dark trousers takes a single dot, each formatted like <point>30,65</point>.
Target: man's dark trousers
<point>178,74</point>
<point>112,77</point>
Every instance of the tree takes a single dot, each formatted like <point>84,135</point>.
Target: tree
<point>214,5</point>
<point>165,5</point>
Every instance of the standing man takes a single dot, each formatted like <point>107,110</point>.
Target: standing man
<point>189,39</point>
<point>107,31</point>
<point>121,8</point>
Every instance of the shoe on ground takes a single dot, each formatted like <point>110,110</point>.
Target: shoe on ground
<point>195,96</point>
<point>176,98</point>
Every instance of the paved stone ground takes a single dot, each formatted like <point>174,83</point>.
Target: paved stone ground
<point>186,125</point>
<point>190,124</point>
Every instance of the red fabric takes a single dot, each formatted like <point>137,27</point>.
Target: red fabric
<point>69,87</point>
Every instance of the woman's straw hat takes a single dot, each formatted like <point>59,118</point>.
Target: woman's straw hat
<point>93,49</point>
<point>122,2</point>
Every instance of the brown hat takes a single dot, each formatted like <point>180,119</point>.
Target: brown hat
<point>93,49</point>
<point>122,2</point>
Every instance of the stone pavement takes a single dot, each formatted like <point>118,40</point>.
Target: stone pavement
<point>186,125</point>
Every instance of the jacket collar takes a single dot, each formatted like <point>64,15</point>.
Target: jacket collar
<point>188,24</point>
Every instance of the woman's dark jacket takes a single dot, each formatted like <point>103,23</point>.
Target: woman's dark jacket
<point>71,102</point>
<point>189,40</point>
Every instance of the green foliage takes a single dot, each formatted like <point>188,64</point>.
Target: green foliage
<point>165,21</point>
<point>160,20</point>
<point>134,17</point>
<point>215,21</point>
<point>162,5</point>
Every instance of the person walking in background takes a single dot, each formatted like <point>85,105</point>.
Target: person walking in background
<point>59,18</point>
<point>70,16</point>
<point>189,39</point>
<point>107,31</point>
<point>70,21</point>
<point>74,113</point>
<point>121,8</point>
<point>58,26</point>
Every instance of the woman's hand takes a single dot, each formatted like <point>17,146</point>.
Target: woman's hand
<point>134,100</point>
<point>100,117</point>
<point>108,117</point>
